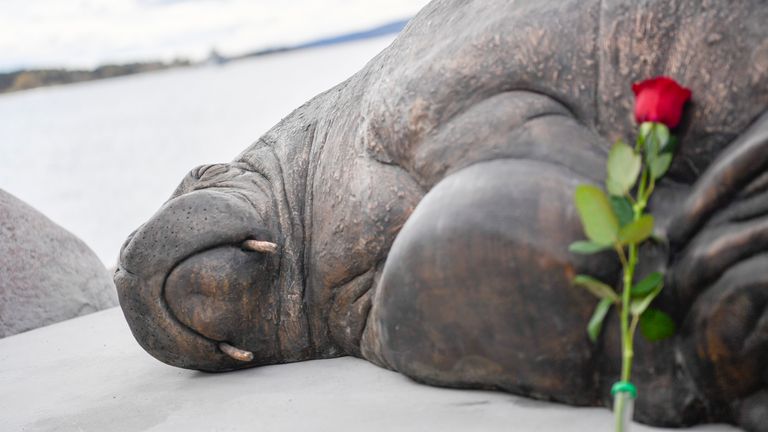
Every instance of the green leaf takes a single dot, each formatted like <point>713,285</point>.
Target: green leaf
<point>614,188</point>
<point>660,165</point>
<point>600,289</point>
<point>623,168</point>
<point>586,247</point>
<point>597,218</point>
<point>598,316</point>
<point>655,138</point>
<point>656,325</point>
<point>637,231</point>
<point>647,285</point>
<point>622,208</point>
<point>645,129</point>
<point>661,133</point>
<point>639,305</point>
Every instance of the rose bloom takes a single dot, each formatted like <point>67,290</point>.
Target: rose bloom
<point>660,100</point>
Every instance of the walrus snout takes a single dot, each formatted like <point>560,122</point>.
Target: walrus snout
<point>195,279</point>
<point>223,294</point>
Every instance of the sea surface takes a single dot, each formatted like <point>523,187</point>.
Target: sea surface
<point>99,158</point>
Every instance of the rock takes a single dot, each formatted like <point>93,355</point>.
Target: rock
<point>47,274</point>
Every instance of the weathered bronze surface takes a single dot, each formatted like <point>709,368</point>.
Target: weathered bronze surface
<point>421,213</point>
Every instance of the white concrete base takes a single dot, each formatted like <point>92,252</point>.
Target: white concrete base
<point>89,374</point>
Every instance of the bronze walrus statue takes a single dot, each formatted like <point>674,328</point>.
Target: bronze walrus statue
<point>418,214</point>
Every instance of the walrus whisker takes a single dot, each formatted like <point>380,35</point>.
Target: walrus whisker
<point>259,246</point>
<point>236,353</point>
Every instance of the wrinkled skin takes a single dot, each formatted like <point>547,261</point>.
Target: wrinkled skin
<point>422,211</point>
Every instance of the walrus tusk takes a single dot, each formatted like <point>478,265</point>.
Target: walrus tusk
<point>236,353</point>
<point>259,246</point>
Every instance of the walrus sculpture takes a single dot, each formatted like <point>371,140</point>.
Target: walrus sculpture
<point>418,214</point>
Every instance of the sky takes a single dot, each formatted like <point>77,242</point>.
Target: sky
<point>87,33</point>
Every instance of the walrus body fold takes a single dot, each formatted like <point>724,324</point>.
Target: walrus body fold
<point>421,211</point>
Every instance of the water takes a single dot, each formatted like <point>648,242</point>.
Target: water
<point>99,158</point>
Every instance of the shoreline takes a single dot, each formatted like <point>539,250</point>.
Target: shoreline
<point>28,79</point>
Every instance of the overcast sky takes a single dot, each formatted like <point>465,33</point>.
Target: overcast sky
<point>86,33</point>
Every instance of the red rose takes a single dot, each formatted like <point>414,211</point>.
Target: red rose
<point>661,100</point>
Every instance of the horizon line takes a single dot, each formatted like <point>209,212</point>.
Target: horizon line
<point>386,28</point>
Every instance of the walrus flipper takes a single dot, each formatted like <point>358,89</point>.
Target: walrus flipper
<point>460,298</point>
<point>719,283</point>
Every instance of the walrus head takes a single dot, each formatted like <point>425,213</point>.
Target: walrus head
<point>197,282</point>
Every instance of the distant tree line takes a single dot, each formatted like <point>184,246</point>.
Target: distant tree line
<point>27,79</point>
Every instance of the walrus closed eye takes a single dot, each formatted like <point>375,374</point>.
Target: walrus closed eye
<point>418,214</point>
